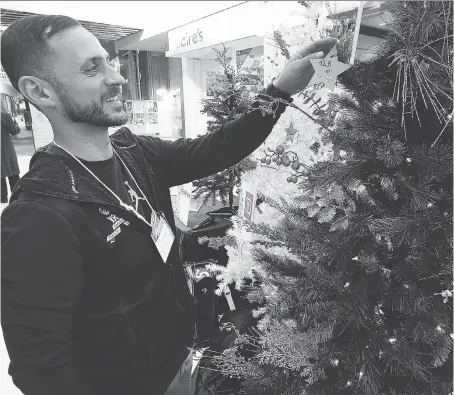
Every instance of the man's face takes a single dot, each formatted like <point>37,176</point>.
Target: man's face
<point>87,85</point>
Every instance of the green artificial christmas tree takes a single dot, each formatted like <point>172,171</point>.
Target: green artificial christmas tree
<point>354,282</point>
<point>231,96</point>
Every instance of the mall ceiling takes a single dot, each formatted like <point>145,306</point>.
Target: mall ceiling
<point>101,31</point>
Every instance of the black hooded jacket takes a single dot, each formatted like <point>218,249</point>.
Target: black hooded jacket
<point>85,316</point>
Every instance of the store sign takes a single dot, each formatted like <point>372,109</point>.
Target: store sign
<point>241,56</point>
<point>228,25</point>
<point>189,39</point>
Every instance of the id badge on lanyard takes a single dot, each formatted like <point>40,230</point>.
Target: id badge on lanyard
<point>161,234</point>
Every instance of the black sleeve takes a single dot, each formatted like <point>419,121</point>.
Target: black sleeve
<point>186,160</point>
<point>42,279</point>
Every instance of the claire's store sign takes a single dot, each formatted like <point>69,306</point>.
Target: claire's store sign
<point>230,24</point>
<point>189,39</point>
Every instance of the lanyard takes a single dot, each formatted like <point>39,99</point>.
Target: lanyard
<point>122,204</point>
<point>135,182</point>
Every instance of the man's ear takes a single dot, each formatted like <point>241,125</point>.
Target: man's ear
<point>37,91</point>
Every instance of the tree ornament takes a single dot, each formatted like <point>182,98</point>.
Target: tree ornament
<point>379,310</point>
<point>430,205</point>
<point>392,340</point>
<point>327,69</point>
<point>296,165</point>
<point>304,172</point>
<point>355,258</point>
<point>291,131</point>
<point>268,161</point>
<point>408,160</point>
<point>280,149</point>
<point>286,161</point>
<point>445,295</point>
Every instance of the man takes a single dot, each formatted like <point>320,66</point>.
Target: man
<point>10,166</point>
<point>94,296</point>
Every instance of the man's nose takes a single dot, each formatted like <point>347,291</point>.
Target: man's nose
<point>114,78</point>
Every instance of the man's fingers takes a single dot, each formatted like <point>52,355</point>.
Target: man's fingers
<point>301,64</point>
<point>324,45</point>
<point>318,55</point>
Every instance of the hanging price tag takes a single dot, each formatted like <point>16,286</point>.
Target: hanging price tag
<point>228,296</point>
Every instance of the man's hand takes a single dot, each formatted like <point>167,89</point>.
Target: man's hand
<point>298,70</point>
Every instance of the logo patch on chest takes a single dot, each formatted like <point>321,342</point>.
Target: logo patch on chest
<point>116,222</point>
<point>135,198</point>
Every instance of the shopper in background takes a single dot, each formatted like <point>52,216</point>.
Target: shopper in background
<point>10,167</point>
<point>94,295</point>
<point>16,125</point>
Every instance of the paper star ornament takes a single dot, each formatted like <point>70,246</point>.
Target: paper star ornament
<point>291,131</point>
<point>327,69</point>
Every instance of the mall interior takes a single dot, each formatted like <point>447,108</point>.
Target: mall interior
<point>165,52</point>
<point>167,65</point>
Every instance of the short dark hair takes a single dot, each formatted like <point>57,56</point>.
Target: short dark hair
<point>25,49</point>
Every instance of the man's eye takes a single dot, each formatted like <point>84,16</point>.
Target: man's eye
<point>92,69</point>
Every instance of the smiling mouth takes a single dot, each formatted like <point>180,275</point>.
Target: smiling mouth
<point>113,98</point>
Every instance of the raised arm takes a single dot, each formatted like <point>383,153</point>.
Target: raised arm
<point>42,279</point>
<point>185,160</point>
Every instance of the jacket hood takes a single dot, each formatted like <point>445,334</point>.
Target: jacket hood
<point>51,174</point>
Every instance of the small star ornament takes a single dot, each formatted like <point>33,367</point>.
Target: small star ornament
<point>291,131</point>
<point>327,69</point>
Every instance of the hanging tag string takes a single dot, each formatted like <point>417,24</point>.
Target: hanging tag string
<point>122,204</point>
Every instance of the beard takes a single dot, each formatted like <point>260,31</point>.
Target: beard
<point>93,113</point>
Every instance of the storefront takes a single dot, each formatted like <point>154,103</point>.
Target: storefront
<point>247,32</point>
<point>152,102</point>
<point>239,29</point>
